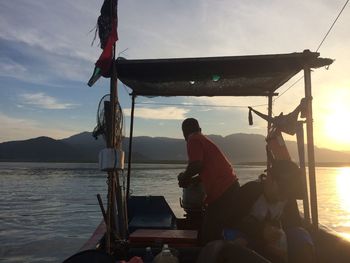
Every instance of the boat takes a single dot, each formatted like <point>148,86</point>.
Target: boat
<point>148,221</point>
<point>131,223</point>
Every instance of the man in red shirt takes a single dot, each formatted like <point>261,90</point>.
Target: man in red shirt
<point>218,178</point>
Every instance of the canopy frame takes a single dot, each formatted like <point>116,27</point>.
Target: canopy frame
<point>224,76</point>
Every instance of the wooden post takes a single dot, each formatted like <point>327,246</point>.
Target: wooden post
<point>109,218</point>
<point>130,146</point>
<point>114,193</point>
<point>310,146</point>
<point>301,151</point>
<point>118,216</point>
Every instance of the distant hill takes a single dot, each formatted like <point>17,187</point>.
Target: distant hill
<point>41,149</point>
<point>82,147</point>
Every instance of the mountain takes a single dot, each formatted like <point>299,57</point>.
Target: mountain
<point>83,147</point>
<point>41,149</point>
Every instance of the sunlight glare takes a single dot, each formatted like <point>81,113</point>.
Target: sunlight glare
<point>337,124</point>
<point>343,183</point>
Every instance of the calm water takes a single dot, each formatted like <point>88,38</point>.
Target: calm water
<point>47,211</point>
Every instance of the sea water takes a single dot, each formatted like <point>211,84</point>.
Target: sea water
<point>48,210</point>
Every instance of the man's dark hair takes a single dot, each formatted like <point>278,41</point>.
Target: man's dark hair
<point>190,125</point>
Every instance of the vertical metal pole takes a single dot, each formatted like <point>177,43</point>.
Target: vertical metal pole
<point>300,142</point>
<point>130,147</point>
<point>269,113</point>
<point>310,146</point>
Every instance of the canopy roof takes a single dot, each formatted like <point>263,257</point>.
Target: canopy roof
<point>258,75</point>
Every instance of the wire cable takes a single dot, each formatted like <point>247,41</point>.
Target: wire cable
<point>294,83</point>
<point>318,48</point>
<point>330,29</point>
<point>259,105</point>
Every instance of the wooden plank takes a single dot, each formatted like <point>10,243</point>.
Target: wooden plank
<point>164,236</point>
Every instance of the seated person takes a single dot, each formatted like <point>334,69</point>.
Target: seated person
<point>267,218</point>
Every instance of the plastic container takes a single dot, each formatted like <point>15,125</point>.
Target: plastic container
<point>165,256</point>
<point>192,197</point>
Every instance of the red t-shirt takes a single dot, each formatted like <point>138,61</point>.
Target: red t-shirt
<point>217,174</point>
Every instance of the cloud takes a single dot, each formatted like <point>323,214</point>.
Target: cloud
<point>50,46</point>
<point>15,128</point>
<point>164,113</point>
<point>58,32</point>
<point>40,100</point>
<point>8,67</point>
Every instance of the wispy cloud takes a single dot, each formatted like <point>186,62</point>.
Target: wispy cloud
<point>50,46</point>
<point>164,113</point>
<point>43,101</point>
<point>8,67</point>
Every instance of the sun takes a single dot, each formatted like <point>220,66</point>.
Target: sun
<point>337,122</point>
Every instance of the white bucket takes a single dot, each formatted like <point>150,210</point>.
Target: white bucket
<point>193,196</point>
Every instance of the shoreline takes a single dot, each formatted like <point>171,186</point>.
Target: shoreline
<point>318,164</point>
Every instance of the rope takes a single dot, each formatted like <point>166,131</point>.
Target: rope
<point>288,88</point>
<point>329,30</point>
<point>318,48</point>
<point>119,120</point>
<point>255,106</point>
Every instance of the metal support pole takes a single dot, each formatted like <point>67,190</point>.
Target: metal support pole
<point>269,124</point>
<point>130,146</point>
<point>301,151</point>
<point>269,113</point>
<point>310,146</point>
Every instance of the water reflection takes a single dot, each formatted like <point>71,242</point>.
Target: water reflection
<point>343,183</point>
<point>54,205</point>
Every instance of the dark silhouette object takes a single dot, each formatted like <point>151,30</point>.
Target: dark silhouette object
<point>90,256</point>
<point>221,251</point>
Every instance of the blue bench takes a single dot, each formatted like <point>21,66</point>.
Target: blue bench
<point>150,212</point>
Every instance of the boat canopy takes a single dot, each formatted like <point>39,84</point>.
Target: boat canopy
<point>259,75</point>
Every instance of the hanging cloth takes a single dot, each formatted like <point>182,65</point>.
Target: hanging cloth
<point>107,28</point>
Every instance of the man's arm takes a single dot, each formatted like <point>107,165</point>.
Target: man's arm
<point>185,178</point>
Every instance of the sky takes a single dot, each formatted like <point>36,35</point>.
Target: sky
<point>46,59</point>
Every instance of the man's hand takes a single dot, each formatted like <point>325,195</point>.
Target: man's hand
<point>183,180</point>
<point>188,177</point>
